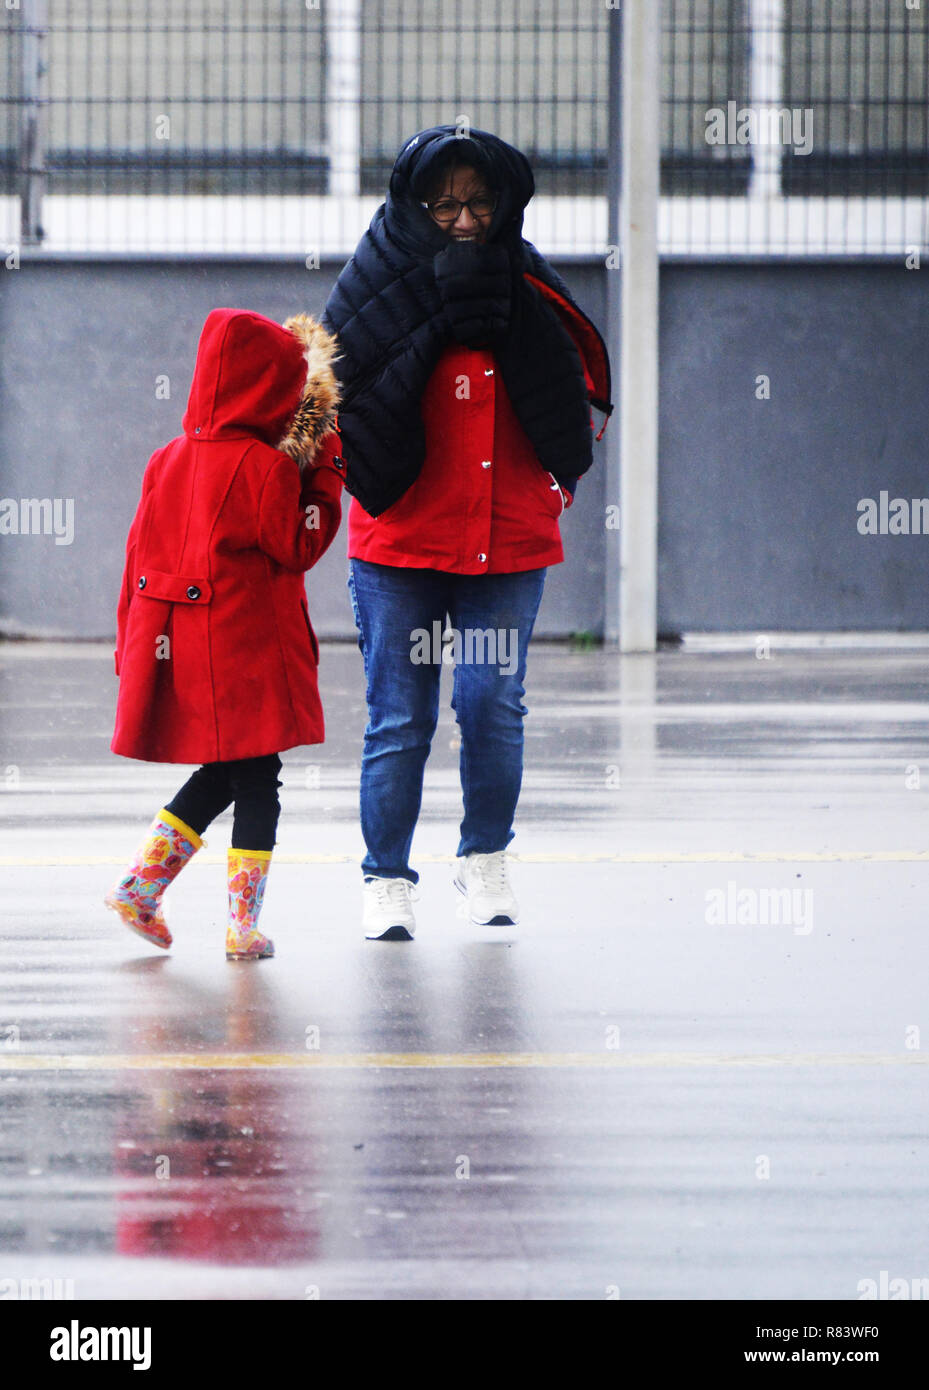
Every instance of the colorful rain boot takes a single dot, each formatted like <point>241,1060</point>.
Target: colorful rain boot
<point>248,874</point>
<point>157,862</point>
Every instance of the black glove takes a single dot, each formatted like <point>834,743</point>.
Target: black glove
<point>474,286</point>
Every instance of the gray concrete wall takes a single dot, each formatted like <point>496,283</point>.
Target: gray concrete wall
<point>81,346</point>
<point>758,498</point>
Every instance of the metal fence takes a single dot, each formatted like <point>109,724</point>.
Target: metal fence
<point>789,126</point>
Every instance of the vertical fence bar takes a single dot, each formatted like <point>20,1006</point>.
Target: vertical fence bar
<point>641,157</point>
<point>766,85</point>
<point>343,41</point>
<point>611,599</point>
<point>32,120</point>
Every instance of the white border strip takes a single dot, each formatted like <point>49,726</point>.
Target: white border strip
<point>800,641</point>
<point>327,225</point>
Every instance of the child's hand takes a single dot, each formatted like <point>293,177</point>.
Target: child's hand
<point>330,452</point>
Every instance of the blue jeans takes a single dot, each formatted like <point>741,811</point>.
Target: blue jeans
<point>400,614</point>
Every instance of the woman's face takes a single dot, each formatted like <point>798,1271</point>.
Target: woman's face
<point>463,184</point>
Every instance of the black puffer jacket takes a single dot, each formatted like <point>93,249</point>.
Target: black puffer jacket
<point>408,291</point>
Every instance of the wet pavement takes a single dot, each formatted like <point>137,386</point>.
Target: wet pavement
<point>694,1071</point>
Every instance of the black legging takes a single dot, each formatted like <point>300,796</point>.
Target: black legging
<point>251,783</point>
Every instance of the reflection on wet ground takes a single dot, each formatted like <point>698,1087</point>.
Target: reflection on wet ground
<point>620,1094</point>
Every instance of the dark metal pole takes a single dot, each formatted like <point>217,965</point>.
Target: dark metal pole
<point>33,120</point>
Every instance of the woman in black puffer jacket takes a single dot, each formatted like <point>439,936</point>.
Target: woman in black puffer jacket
<point>467,375</point>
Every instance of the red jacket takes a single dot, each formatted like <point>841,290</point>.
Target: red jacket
<point>482,503</point>
<point>215,651</point>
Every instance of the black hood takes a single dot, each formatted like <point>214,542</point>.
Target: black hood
<point>506,170</point>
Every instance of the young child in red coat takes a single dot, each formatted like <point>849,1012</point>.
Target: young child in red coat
<point>215,652</point>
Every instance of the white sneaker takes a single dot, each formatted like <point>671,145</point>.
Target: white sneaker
<point>482,878</point>
<point>388,915</point>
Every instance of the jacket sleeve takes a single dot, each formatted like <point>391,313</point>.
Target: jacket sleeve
<point>298,519</point>
<point>567,484</point>
<point>568,489</point>
<point>125,593</point>
<point>129,576</point>
<point>548,278</point>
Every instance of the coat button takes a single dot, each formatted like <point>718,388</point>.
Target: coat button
<point>485,463</point>
<point>482,559</point>
<point>142,582</point>
<point>193,591</point>
<point>338,462</point>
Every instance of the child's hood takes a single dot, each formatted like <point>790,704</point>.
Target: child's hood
<point>251,375</point>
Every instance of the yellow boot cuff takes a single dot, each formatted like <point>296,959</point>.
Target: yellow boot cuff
<point>185,830</point>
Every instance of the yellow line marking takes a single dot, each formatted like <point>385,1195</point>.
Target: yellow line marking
<point>848,856</point>
<point>287,1061</point>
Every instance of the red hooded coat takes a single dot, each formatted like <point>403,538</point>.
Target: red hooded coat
<point>482,503</point>
<point>215,651</point>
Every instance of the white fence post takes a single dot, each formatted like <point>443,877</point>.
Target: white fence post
<point>641,156</point>
<point>32,137</point>
<point>612,556</point>
<point>766,81</point>
<point>343,107</point>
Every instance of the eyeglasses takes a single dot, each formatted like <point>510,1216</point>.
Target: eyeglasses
<point>449,209</point>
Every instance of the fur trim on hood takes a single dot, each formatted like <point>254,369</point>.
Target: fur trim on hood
<point>316,413</point>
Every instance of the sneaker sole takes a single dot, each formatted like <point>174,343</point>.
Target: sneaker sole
<point>396,933</point>
<point>500,920</point>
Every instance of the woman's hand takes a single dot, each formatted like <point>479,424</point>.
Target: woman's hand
<point>473,281</point>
